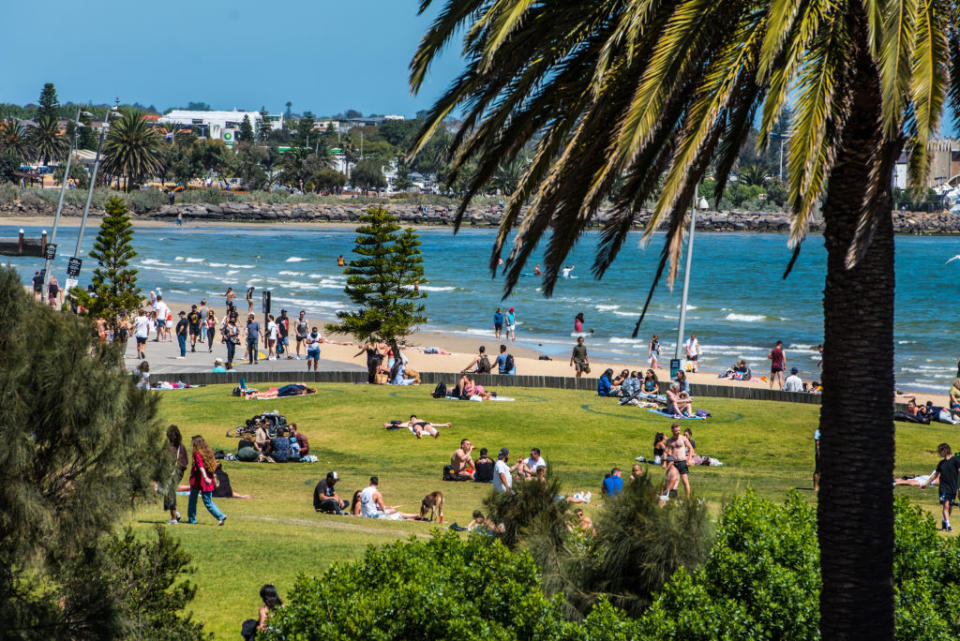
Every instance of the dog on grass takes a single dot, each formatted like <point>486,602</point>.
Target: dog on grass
<point>432,503</point>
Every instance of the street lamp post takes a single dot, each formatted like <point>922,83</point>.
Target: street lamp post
<point>702,203</point>
<point>51,250</point>
<point>75,264</point>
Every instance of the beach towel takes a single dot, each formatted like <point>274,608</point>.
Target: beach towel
<point>676,416</point>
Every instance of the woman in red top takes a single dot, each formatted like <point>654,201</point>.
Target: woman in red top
<point>201,481</point>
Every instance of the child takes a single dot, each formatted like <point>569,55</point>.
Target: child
<point>947,472</point>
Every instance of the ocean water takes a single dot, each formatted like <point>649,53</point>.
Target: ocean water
<point>738,304</point>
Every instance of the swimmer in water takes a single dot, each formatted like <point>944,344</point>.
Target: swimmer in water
<point>565,272</point>
<point>537,272</point>
<point>340,261</point>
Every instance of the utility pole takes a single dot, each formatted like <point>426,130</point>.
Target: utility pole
<point>73,269</point>
<point>675,363</point>
<point>51,250</point>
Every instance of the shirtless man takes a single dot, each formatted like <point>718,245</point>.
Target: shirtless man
<point>678,452</point>
<point>461,461</point>
<point>418,427</point>
<point>584,523</point>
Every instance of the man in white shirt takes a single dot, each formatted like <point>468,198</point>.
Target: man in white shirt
<point>532,465</point>
<point>141,331</point>
<point>372,507</point>
<point>693,350</point>
<point>793,382</point>
<point>502,479</point>
<point>162,311</point>
<point>272,332</point>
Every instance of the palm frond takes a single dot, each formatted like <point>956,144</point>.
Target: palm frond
<point>930,82</point>
<point>895,60</point>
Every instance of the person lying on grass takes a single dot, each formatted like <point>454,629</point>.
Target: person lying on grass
<point>469,389</point>
<point>418,427</point>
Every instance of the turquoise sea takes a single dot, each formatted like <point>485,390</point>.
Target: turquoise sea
<point>738,305</point>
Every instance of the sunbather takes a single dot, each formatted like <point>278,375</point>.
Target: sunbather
<point>418,427</point>
<point>469,389</point>
<point>678,402</point>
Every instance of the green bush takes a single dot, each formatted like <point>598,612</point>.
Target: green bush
<point>34,199</point>
<point>762,578</point>
<point>142,201</point>
<point>205,197</point>
<point>8,193</point>
<point>443,588</point>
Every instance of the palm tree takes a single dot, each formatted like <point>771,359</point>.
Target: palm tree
<point>46,140</point>
<point>14,139</point>
<point>753,174</point>
<point>634,89</point>
<point>132,150</point>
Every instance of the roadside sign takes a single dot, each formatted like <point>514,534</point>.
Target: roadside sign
<point>73,267</point>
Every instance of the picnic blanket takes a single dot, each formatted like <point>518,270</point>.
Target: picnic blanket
<point>477,399</point>
<point>676,416</point>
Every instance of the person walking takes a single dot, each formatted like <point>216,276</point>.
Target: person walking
<point>272,331</point>
<point>301,328</point>
<point>692,346</point>
<point>253,336</point>
<point>181,331</point>
<point>498,323</point>
<point>512,325</point>
<point>179,452</point>
<point>203,319</point>
<point>578,323</point>
<point>653,352</point>
<point>141,332</point>
<point>211,329</point>
<point>250,299</point>
<point>579,358</point>
<point>201,481</point>
<point>231,337</point>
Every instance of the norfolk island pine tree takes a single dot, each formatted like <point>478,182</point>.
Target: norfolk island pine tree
<point>382,280</point>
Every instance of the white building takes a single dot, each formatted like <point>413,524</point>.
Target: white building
<point>213,124</point>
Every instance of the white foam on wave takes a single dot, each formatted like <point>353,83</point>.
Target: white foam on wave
<point>231,272</point>
<point>625,313</point>
<point>240,266</point>
<point>431,288</point>
<point>153,261</point>
<point>178,258</point>
<point>616,340</point>
<point>194,260</point>
<point>289,273</point>
<point>606,308</point>
<point>217,264</point>
<point>745,318</point>
<point>295,259</point>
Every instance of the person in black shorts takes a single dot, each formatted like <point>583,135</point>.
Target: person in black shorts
<point>948,472</point>
<point>193,320</point>
<point>38,288</point>
<point>678,451</point>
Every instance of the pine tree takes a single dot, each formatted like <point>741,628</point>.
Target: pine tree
<point>263,125</point>
<point>49,103</point>
<point>246,130</point>
<point>114,282</point>
<point>306,136</point>
<point>80,445</point>
<point>383,281</point>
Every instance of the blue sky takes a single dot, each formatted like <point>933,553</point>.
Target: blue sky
<point>322,55</point>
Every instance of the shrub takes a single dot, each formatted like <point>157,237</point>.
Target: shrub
<point>443,588</point>
<point>206,197</point>
<point>8,193</point>
<point>762,578</point>
<point>33,199</point>
<point>145,200</point>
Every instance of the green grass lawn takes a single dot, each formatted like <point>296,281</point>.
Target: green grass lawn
<point>763,445</point>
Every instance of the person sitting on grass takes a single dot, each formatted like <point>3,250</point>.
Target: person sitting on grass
<point>372,507</point>
<point>530,469</point>
<point>280,448</point>
<point>301,439</point>
<point>636,473</point>
<point>355,503</point>
<point>469,389</point>
<point>271,601</point>
<point>678,402</point>
<point>484,467</point>
<point>605,386</point>
<point>461,462</point>
<point>631,386</point>
<point>222,488</point>
<point>325,497</point>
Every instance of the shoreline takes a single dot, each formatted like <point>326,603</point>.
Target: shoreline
<point>462,349</point>
<point>345,215</point>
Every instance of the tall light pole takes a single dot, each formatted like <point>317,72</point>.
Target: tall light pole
<point>51,250</point>
<point>73,269</point>
<point>702,203</point>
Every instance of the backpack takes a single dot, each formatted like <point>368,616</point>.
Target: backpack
<point>440,391</point>
<point>483,367</point>
<point>510,363</point>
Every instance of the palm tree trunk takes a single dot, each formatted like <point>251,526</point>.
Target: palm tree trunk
<point>856,419</point>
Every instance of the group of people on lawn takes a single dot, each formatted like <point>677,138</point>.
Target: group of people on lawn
<point>285,447</point>
<point>632,387</point>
